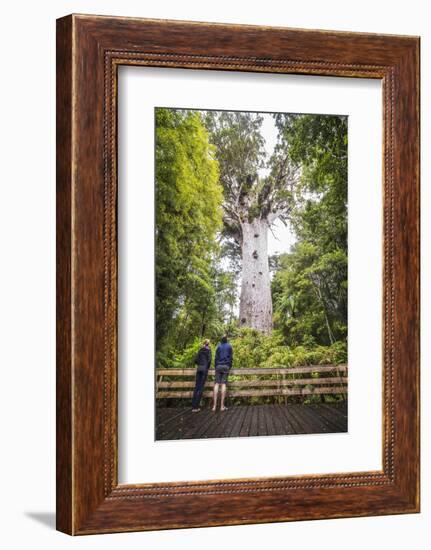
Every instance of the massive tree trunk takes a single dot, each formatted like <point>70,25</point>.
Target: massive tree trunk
<point>255,309</point>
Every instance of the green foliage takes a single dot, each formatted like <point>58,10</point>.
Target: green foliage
<point>319,145</point>
<point>310,283</point>
<point>188,216</point>
<point>310,295</point>
<point>186,358</point>
<point>252,349</point>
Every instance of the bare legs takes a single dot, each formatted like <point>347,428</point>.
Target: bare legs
<point>222,396</point>
<point>215,396</point>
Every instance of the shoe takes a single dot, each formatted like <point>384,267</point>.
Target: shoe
<point>195,410</point>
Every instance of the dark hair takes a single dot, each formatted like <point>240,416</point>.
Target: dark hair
<point>224,339</point>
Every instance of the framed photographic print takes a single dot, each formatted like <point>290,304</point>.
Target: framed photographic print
<point>237,274</point>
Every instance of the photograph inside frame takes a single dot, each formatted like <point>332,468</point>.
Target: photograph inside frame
<point>251,272</point>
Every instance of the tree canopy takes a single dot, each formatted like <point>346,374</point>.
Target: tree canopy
<point>241,155</point>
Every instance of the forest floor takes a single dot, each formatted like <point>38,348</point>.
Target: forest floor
<point>250,420</point>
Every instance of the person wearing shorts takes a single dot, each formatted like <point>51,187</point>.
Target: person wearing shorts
<point>223,364</point>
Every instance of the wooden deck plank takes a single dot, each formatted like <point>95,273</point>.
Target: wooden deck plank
<point>212,425</point>
<point>318,421</point>
<point>197,422</point>
<point>229,416</point>
<point>261,421</point>
<point>164,427</point>
<point>245,428</point>
<point>312,421</point>
<point>334,415</point>
<point>162,413</point>
<point>226,425</point>
<point>183,424</point>
<point>253,422</point>
<point>250,420</point>
<point>288,426</point>
<point>219,424</point>
<point>280,424</point>
<point>203,429</point>
<point>236,428</point>
<point>234,413</point>
<point>336,410</point>
<point>223,424</point>
<point>174,412</point>
<point>174,428</point>
<point>297,420</point>
<point>285,411</point>
<point>270,426</point>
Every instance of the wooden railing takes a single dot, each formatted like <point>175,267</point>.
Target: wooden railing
<point>306,380</point>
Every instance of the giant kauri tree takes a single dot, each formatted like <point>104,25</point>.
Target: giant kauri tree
<point>257,191</point>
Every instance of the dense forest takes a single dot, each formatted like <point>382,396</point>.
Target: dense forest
<point>219,192</point>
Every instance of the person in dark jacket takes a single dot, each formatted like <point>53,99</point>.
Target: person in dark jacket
<point>203,362</point>
<point>223,364</point>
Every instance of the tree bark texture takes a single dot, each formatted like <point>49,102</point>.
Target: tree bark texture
<point>255,308</point>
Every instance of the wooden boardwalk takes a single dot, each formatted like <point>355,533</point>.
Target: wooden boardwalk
<point>251,420</point>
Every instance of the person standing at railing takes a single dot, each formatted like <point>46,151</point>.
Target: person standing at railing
<point>203,362</point>
<point>223,364</point>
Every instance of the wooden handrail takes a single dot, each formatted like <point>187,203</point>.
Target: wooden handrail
<point>265,383</point>
<point>257,393</point>
<point>258,386</point>
<point>257,371</point>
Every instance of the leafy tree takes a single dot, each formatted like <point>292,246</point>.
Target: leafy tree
<point>251,204</point>
<point>318,143</point>
<point>188,217</point>
<point>310,296</point>
<point>310,285</point>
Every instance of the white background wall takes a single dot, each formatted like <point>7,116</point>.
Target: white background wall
<point>27,289</point>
